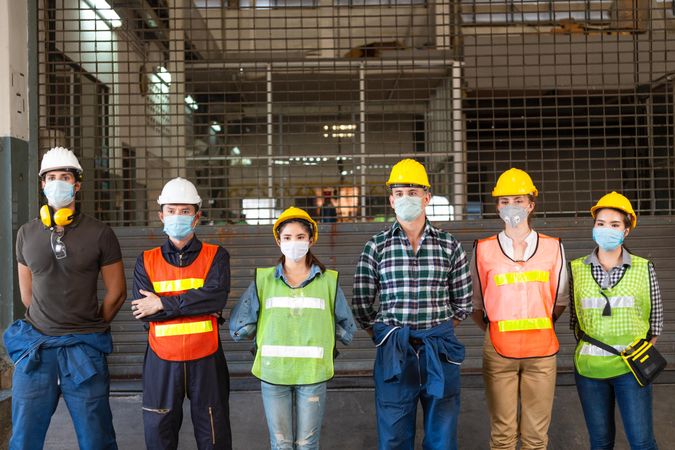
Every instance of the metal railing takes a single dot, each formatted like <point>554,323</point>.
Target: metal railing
<point>266,105</point>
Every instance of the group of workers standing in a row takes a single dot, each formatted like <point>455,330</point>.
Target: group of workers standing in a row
<point>413,286</point>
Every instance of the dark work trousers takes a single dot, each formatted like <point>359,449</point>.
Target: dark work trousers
<point>205,381</point>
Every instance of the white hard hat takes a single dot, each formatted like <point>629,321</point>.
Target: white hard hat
<point>179,191</point>
<point>60,158</point>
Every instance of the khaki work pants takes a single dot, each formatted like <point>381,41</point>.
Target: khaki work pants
<point>532,381</point>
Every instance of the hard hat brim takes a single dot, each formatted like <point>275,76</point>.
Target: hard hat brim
<point>407,185</point>
<point>633,216</point>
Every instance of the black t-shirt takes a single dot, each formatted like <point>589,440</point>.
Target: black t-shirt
<point>64,290</point>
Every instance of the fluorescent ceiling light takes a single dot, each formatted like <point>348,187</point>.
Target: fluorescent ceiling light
<point>105,12</point>
<point>191,102</point>
<point>163,74</point>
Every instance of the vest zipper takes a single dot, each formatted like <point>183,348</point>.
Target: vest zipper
<point>213,429</point>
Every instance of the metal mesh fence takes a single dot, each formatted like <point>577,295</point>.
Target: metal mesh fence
<point>270,103</point>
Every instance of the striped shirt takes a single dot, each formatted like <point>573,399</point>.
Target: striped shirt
<point>609,279</point>
<point>420,290</point>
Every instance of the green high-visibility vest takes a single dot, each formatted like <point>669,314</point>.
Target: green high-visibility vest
<point>630,301</point>
<point>296,329</point>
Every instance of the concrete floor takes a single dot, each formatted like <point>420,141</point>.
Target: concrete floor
<point>349,422</point>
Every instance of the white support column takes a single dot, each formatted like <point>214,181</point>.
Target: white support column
<point>13,70</point>
<point>270,135</point>
<point>18,186</point>
<point>458,141</point>
<point>326,17</point>
<point>362,137</point>
<point>176,67</point>
<point>442,16</point>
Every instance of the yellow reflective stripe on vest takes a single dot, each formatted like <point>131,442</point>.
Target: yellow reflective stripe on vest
<point>540,323</point>
<point>177,285</point>
<point>291,351</point>
<point>179,329</point>
<point>521,277</point>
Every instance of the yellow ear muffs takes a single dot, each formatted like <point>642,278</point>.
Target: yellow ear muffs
<point>46,216</point>
<point>62,217</point>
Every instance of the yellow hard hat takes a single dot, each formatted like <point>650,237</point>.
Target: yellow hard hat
<point>408,171</point>
<point>615,200</point>
<point>295,213</point>
<point>514,182</point>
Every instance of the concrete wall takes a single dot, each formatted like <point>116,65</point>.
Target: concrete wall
<point>544,61</point>
<point>325,31</point>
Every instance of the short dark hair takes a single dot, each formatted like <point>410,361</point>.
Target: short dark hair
<point>416,186</point>
<point>161,207</point>
<point>76,173</point>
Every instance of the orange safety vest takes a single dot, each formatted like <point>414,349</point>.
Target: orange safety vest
<point>185,338</point>
<point>519,297</point>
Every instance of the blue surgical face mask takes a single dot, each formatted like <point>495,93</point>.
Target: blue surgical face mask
<point>178,227</point>
<point>408,208</point>
<point>59,193</point>
<point>608,238</point>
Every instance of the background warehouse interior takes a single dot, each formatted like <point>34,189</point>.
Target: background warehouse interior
<point>272,103</point>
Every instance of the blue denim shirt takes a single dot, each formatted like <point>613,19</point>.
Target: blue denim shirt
<point>244,317</point>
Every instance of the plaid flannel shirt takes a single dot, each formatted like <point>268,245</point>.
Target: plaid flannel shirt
<point>418,290</point>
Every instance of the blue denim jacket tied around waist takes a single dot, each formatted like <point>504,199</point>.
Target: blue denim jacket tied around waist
<point>440,343</point>
<point>23,341</point>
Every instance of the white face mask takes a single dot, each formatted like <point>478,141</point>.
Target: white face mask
<point>295,250</point>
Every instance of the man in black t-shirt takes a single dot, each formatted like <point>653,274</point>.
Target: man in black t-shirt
<point>61,345</point>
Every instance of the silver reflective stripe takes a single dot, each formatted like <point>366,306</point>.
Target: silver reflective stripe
<point>614,302</point>
<point>591,350</point>
<point>295,302</point>
<point>291,351</point>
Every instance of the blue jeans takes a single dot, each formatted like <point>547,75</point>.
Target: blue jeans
<point>635,405</point>
<point>35,396</point>
<point>396,405</point>
<point>309,401</point>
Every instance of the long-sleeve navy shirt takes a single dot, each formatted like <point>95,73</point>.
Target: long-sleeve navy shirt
<point>208,299</point>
